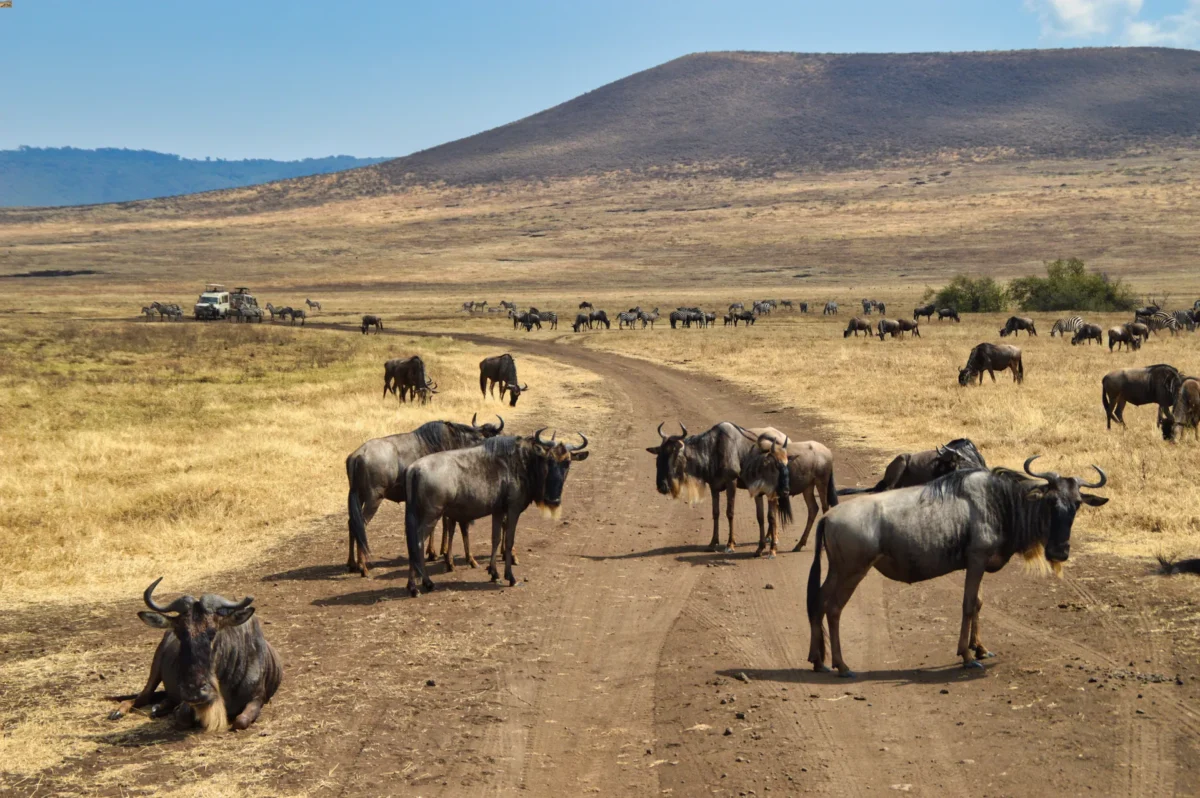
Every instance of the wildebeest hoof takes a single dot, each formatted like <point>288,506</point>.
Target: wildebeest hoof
<point>116,714</point>
<point>974,663</point>
<point>821,668</point>
<point>471,562</point>
<point>729,549</point>
<point>847,674</point>
<point>412,590</point>
<point>770,555</point>
<point>984,654</point>
<point>427,586</point>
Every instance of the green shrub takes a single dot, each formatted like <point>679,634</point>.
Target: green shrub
<point>970,295</point>
<point>1068,285</point>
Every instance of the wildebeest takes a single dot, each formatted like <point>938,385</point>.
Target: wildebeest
<point>787,303</point>
<point>746,316</point>
<point>1185,410</point>
<point>1017,323</point>
<point>585,305</point>
<point>909,326</point>
<point>1155,384</point>
<point>599,317</point>
<point>376,472</point>
<point>809,472</point>
<point>918,468</point>
<point>1138,330</point>
<point>299,314</point>
<point>581,321</point>
<point>1123,336</point>
<point>948,313</point>
<point>370,321</point>
<point>764,473</point>
<point>974,520</point>
<point>500,370</point>
<point>727,319</point>
<point>710,319</point>
<point>1169,566</point>
<point>406,377</point>
<point>831,309</point>
<point>925,310</point>
<point>867,305</point>
<point>803,307</point>
<point>213,660</point>
<point>888,327</point>
<point>1089,333</point>
<point>501,478</point>
<point>856,326</point>
<point>989,358</point>
<point>1146,311</point>
<point>1068,324</point>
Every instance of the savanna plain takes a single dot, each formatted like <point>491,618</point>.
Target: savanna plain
<point>212,454</point>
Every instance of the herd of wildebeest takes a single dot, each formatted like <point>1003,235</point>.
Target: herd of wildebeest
<point>934,512</point>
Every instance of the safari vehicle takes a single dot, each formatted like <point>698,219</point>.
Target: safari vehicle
<point>212,304</point>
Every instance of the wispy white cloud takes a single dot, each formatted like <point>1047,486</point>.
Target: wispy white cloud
<point>1174,30</point>
<point>1116,21</point>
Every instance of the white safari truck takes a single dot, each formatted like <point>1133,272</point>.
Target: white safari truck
<point>217,303</point>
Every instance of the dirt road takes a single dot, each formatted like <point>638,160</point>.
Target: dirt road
<point>634,662</point>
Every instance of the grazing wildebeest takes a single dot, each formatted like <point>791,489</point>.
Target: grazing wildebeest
<point>1185,410</point>
<point>831,309</point>
<point>1138,330</point>
<point>1068,324</point>
<point>376,472</point>
<point>1155,384</point>
<point>745,316</point>
<point>804,307</point>
<point>974,520</point>
<point>856,326</point>
<point>500,370</point>
<point>810,472</point>
<point>599,317</point>
<point>312,304</point>
<point>888,327</point>
<point>581,321</point>
<point>528,320</point>
<point>1118,336</point>
<point>948,313</point>
<point>989,357</point>
<point>213,660</point>
<point>909,326</point>
<point>1089,333</point>
<point>501,478</point>
<point>925,310</point>
<point>299,314</point>
<point>369,321</point>
<point>406,377</point>
<point>1017,323</point>
<point>918,468</point>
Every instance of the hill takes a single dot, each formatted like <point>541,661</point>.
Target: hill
<point>32,176</point>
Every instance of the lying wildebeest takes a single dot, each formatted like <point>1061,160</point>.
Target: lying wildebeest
<point>1067,324</point>
<point>856,326</point>
<point>1123,336</point>
<point>918,468</point>
<point>1138,330</point>
<point>599,317</point>
<point>1017,323</point>
<point>406,377</point>
<point>973,520</point>
<point>1155,384</point>
<point>1089,333</point>
<point>214,662</point>
<point>1169,566</point>
<point>501,478</point>
<point>909,326</point>
<point>888,327</point>
<point>831,309</point>
<point>989,358</point>
<point>500,370</point>
<point>1185,410</point>
<point>376,472</point>
<point>581,321</point>
<point>809,471</point>
<point>925,310</point>
<point>948,313</point>
<point>370,321</point>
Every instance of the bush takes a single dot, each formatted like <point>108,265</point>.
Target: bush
<point>1068,285</point>
<point>970,295</point>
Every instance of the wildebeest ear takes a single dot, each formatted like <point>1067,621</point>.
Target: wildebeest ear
<point>237,617</point>
<point>654,449</point>
<point>1093,501</point>
<point>577,456</point>
<point>155,620</point>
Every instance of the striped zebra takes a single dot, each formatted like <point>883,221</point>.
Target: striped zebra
<point>1069,324</point>
<point>1162,320</point>
<point>1185,319</point>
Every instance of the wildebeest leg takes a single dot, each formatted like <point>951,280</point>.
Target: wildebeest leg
<point>416,554</point>
<point>370,506</point>
<point>447,544</point>
<point>835,600</point>
<point>715,543</point>
<point>147,695</point>
<point>970,596</point>
<point>991,374</point>
<point>762,531</point>
<point>977,645</point>
<point>811,500</point>
<point>465,526</point>
<point>497,521</point>
<point>730,495</point>
<point>510,538</point>
<point>1119,411</point>
<point>248,715</point>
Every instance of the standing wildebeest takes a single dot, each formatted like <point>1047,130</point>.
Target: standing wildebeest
<point>745,316</point>
<point>581,321</point>
<point>369,321</point>
<point>786,303</point>
<point>1017,323</point>
<point>528,320</point>
<point>599,317</point>
<point>1089,333</point>
<point>989,357</point>
<point>948,313</point>
<point>585,305</point>
<point>867,304</point>
<point>809,471</point>
<point>925,310</point>
<point>973,520</point>
<point>831,309</point>
<point>376,472</point>
<point>501,478</point>
<point>1067,324</point>
<point>856,326</point>
<point>1118,336</point>
<point>1138,330</point>
<point>888,327</point>
<point>214,662</point>
<point>405,377</point>
<point>1147,311</point>
<point>500,370</point>
<point>803,307</point>
<point>312,304</point>
<point>299,314</point>
<point>1155,384</point>
<point>909,326</point>
<point>1185,412</point>
<point>728,319</point>
<point>917,468</point>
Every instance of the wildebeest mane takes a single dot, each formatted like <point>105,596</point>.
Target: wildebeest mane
<point>439,436</point>
<point>1012,498</point>
<point>502,445</point>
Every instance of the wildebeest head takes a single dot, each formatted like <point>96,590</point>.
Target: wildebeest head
<point>777,453</point>
<point>488,430</point>
<point>671,468</point>
<point>551,462</point>
<point>1064,497</point>
<point>965,375</point>
<point>514,393</point>
<point>196,624</point>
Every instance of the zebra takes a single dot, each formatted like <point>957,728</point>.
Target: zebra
<point>648,318</point>
<point>831,309</point>
<point>1185,320</point>
<point>282,313</point>
<point>1162,320</point>
<point>1067,324</point>
<point>311,304</point>
<point>148,312</point>
<point>867,305</point>
<point>547,315</point>
<point>626,319</point>
<point>297,313</point>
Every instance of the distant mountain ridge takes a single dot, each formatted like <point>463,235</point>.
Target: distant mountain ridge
<point>35,176</point>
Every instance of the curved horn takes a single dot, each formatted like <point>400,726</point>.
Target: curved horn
<point>1103,479</point>
<point>579,448</point>
<point>178,605</point>
<point>685,432</point>
<point>537,436</point>
<point>525,387</point>
<point>660,432</point>
<point>1047,476</point>
<point>501,423</point>
<point>473,415</point>
<point>224,606</point>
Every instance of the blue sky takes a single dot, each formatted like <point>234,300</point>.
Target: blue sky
<point>266,78</point>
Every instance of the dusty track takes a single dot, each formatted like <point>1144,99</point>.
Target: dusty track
<point>618,666</point>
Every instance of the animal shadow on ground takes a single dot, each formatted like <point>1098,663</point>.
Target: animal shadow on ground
<point>637,555</point>
<point>945,674</point>
<point>369,597</point>
<point>143,735</point>
<point>328,572</point>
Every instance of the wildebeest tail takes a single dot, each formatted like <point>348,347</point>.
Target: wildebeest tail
<point>1020,369</point>
<point>878,487</point>
<point>832,492</point>
<point>814,575</point>
<point>783,497</point>
<point>356,473</point>
<point>1108,406</point>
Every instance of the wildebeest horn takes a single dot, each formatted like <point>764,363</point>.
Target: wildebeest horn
<point>685,432</point>
<point>525,387</point>
<point>660,432</point>
<point>537,436</point>
<point>473,415</point>
<point>579,448</point>
<point>1047,476</point>
<point>224,606</point>
<point>501,429</point>
<point>178,605</point>
<point>1103,479</point>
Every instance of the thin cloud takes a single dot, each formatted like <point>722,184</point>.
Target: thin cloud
<point>1116,21</point>
<point>1174,30</point>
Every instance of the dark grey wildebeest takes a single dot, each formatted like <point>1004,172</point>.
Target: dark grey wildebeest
<point>1155,385</point>
<point>1017,323</point>
<point>500,370</point>
<point>918,468</point>
<point>405,377</point>
<point>585,305</point>
<point>213,660</point>
<point>501,478</point>
<point>974,520</point>
<point>803,307</point>
<point>990,358</point>
<point>948,313</point>
<point>867,305</point>
<point>1088,332</point>
<point>809,472</point>
<point>1138,330</point>
<point>743,316</point>
<point>369,321</point>
<point>1184,412</point>
<point>527,319</point>
<point>856,326</point>
<point>909,326</point>
<point>887,327</point>
<point>581,320</point>
<point>925,310</point>
<point>376,472</point>
<point>1123,336</point>
<point>599,317</point>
